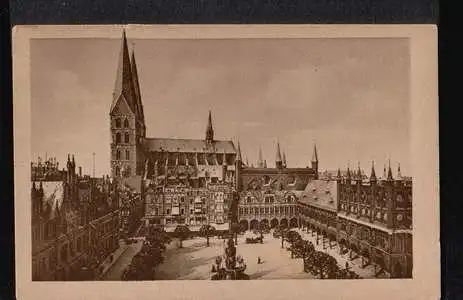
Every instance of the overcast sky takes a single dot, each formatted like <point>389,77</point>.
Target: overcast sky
<point>350,96</point>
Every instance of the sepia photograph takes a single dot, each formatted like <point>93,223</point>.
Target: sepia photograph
<point>177,156</point>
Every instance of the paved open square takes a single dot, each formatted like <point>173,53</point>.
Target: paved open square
<point>195,259</point>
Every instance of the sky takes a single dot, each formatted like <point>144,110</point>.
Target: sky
<point>349,96</point>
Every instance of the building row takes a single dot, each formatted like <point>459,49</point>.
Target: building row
<point>75,222</point>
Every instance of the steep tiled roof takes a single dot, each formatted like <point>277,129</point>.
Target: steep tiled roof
<point>320,193</point>
<point>187,145</point>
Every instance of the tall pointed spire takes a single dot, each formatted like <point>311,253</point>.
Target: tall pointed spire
<point>373,173</point>
<point>238,155</point>
<point>315,160</point>
<point>136,86</point>
<point>389,172</point>
<point>278,160</point>
<point>284,159</point>
<point>260,162</point>
<point>384,172</point>
<point>278,154</point>
<point>399,174</point>
<point>124,83</point>
<point>348,171</point>
<point>338,176</point>
<point>314,154</point>
<point>359,172</point>
<point>210,130</point>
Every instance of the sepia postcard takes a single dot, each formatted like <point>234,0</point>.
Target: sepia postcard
<point>187,161</point>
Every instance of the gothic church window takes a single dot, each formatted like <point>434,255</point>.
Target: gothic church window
<point>118,123</point>
<point>118,154</point>
<point>127,154</point>
<point>126,137</point>
<point>118,138</point>
<point>126,123</point>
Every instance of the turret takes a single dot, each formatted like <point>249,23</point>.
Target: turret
<point>315,161</point>
<point>284,160</point>
<point>260,161</point>
<point>389,173</point>
<point>373,173</point>
<point>278,159</point>
<point>373,190</point>
<point>399,174</point>
<point>209,130</point>
<point>238,167</point>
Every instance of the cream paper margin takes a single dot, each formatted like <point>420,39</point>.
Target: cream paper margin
<point>424,151</point>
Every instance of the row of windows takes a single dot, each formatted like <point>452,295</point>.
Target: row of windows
<point>118,154</point>
<point>270,199</point>
<point>118,123</point>
<point>267,210</point>
<point>119,138</point>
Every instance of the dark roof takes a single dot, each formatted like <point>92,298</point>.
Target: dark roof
<point>187,145</point>
<point>320,193</point>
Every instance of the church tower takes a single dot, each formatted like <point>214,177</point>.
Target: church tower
<point>127,125</point>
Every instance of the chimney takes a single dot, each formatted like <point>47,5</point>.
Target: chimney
<point>80,171</point>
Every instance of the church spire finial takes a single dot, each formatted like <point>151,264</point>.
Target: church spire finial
<point>124,84</point>
<point>373,173</point>
<point>136,86</point>
<point>209,129</point>
<point>238,155</point>
<point>399,173</point>
<point>314,154</point>
<point>278,160</point>
<point>389,172</point>
<point>260,162</point>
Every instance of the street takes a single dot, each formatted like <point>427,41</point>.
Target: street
<point>116,270</point>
